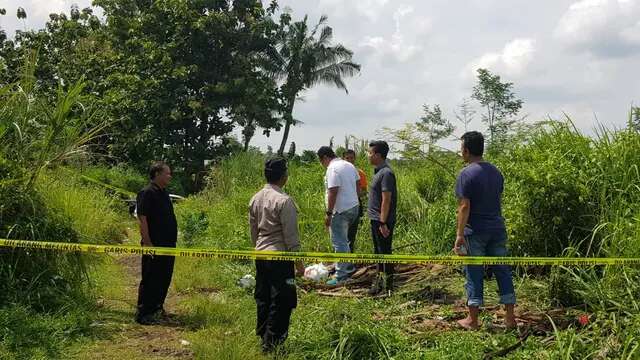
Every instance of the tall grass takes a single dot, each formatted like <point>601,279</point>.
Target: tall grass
<point>566,191</point>
<point>44,295</point>
<point>566,194</point>
<point>120,176</point>
<point>95,217</point>
<point>237,179</point>
<point>36,132</point>
<point>47,297</point>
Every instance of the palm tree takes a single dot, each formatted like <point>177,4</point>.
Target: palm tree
<point>305,57</point>
<point>22,15</point>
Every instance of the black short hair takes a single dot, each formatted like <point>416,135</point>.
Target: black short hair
<point>326,151</point>
<point>349,151</point>
<point>474,142</point>
<point>156,168</point>
<point>380,147</point>
<point>275,169</point>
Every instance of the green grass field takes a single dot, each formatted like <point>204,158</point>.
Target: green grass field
<point>565,195</point>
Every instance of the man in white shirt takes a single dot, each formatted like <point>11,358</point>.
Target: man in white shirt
<point>342,204</point>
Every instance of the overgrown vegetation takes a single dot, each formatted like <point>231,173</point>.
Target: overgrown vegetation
<point>61,88</point>
<point>51,289</point>
<point>566,195</point>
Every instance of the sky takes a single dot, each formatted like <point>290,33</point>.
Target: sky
<point>563,56</point>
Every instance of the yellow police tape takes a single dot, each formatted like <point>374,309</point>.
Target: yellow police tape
<point>312,256</point>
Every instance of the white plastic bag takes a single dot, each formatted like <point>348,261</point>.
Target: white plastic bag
<point>316,272</point>
<point>247,282</point>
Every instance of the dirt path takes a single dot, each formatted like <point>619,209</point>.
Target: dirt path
<point>119,336</point>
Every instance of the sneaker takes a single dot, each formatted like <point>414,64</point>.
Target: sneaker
<point>147,320</point>
<point>374,290</point>
<point>382,284</point>
<point>335,282</point>
<point>164,315</point>
<point>387,283</point>
<point>154,318</point>
<point>376,286</point>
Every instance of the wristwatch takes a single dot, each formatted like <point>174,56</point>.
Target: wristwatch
<point>329,213</point>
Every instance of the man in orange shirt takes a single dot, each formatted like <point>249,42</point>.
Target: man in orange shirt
<point>350,156</point>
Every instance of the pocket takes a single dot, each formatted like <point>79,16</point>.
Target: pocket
<point>466,250</point>
<point>472,245</point>
<point>287,295</point>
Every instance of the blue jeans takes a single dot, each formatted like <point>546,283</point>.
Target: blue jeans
<point>493,243</point>
<point>340,223</point>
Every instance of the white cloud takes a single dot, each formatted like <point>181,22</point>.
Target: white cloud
<point>390,106</point>
<point>403,10</point>
<point>44,8</point>
<point>512,60</point>
<point>372,10</point>
<point>371,91</point>
<point>631,34</point>
<point>608,28</point>
<point>402,45</point>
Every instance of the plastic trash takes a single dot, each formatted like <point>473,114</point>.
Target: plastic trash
<point>247,282</point>
<point>316,272</point>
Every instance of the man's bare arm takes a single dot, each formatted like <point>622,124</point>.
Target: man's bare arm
<point>385,206</point>
<point>464,208</point>
<point>332,197</point>
<point>331,203</point>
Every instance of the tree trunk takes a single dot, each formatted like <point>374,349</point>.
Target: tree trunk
<point>246,143</point>
<point>194,176</point>
<point>248,132</point>
<point>287,126</point>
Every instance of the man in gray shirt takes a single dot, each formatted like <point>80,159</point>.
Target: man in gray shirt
<point>383,199</point>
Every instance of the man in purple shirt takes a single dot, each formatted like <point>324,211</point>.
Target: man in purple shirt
<point>480,228</point>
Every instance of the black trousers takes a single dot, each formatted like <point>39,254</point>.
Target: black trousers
<point>156,278</point>
<point>353,232</point>
<point>382,245</point>
<point>275,297</point>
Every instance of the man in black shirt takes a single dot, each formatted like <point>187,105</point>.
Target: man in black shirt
<point>158,227</point>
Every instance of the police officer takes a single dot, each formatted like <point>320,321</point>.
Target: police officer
<point>273,221</point>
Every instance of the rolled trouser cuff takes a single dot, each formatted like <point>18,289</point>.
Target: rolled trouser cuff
<point>508,299</point>
<point>475,302</point>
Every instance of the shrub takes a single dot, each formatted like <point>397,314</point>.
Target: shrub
<point>433,184</point>
<point>547,203</point>
<point>194,225</point>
